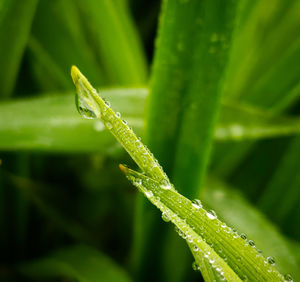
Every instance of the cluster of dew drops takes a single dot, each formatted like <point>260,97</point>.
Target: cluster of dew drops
<point>211,214</point>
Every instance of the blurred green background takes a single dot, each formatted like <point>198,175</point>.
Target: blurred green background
<point>66,212</point>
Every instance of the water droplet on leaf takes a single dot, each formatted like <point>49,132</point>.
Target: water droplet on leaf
<point>271,260</point>
<point>165,217</point>
<point>211,214</point>
<point>83,108</point>
<point>165,185</point>
<point>197,204</point>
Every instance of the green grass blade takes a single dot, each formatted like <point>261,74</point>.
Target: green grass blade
<point>49,123</point>
<point>227,253</point>
<point>196,41</point>
<point>15,23</point>
<point>115,40</point>
<point>281,195</point>
<point>234,209</point>
<point>82,263</point>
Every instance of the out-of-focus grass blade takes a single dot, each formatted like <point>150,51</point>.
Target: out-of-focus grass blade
<point>115,39</point>
<point>82,263</point>
<point>240,122</point>
<point>15,22</point>
<point>238,212</point>
<point>52,123</point>
<point>282,193</point>
<point>45,200</point>
<point>258,59</point>
<point>57,42</point>
<point>228,256</point>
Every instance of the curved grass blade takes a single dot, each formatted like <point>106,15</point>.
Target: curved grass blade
<point>226,252</point>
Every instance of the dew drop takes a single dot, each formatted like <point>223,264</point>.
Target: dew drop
<point>138,181</point>
<point>108,125</point>
<point>107,103</point>
<point>149,194</point>
<point>165,217</point>
<point>165,185</point>
<point>288,277</point>
<point>118,115</point>
<point>195,248</point>
<point>251,243</point>
<point>243,236</point>
<point>124,121</point>
<point>83,108</point>
<point>271,260</point>
<point>211,214</point>
<point>197,204</point>
<point>195,266</point>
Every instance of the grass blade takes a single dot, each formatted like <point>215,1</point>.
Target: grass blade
<point>225,251</point>
<point>115,40</point>
<point>15,22</point>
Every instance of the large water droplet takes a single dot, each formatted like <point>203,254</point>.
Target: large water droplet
<point>83,108</point>
<point>243,236</point>
<point>197,204</point>
<point>211,214</point>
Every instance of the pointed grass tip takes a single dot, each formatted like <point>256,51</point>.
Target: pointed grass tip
<point>80,80</point>
<point>123,168</point>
